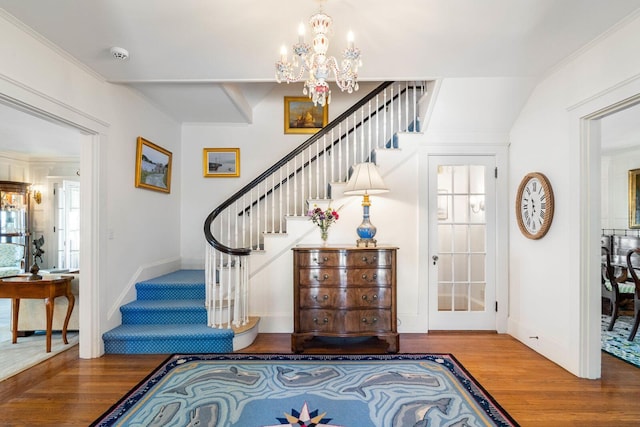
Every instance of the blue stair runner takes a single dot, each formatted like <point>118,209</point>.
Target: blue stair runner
<point>168,317</point>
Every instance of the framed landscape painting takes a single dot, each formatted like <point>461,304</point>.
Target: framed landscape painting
<point>221,162</point>
<point>153,166</point>
<point>634,198</point>
<point>301,116</point>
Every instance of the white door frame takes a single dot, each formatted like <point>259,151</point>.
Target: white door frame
<point>584,118</point>
<point>500,152</point>
<point>93,210</point>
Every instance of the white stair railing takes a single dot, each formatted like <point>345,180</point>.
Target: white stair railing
<point>238,225</point>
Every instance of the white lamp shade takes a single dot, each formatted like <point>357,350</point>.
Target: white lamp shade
<point>365,179</point>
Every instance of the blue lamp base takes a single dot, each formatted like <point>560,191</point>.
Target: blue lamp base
<point>366,231</point>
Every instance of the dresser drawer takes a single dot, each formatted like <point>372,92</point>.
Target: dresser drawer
<point>352,258</point>
<point>345,321</point>
<point>369,258</point>
<point>344,276</point>
<point>321,258</point>
<point>340,298</point>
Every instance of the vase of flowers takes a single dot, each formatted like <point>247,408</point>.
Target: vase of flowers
<point>323,219</point>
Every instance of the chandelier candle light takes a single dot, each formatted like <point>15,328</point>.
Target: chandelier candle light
<point>365,180</point>
<point>313,59</point>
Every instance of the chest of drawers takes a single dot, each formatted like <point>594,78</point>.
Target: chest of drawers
<point>344,292</point>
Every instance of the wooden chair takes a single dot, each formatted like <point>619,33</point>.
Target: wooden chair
<point>636,295</point>
<point>614,291</point>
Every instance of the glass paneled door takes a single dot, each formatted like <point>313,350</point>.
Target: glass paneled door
<point>462,232</point>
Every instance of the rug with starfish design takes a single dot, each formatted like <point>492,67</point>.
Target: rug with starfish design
<point>275,390</point>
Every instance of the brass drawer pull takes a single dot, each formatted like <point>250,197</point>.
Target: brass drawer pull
<point>325,320</point>
<point>373,320</point>
<point>374,298</point>
<point>374,259</point>
<point>324,297</point>
<point>324,260</point>
<point>324,277</point>
<point>374,277</point>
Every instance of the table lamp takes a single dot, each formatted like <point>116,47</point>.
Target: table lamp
<point>365,179</point>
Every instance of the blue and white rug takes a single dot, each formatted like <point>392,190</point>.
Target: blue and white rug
<point>416,390</point>
<point>615,342</point>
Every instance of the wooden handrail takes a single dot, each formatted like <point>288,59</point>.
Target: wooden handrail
<point>251,185</point>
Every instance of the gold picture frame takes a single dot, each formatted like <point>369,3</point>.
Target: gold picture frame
<point>221,162</point>
<point>634,198</point>
<point>153,166</point>
<point>301,116</point>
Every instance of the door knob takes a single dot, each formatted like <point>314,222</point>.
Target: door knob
<point>435,259</point>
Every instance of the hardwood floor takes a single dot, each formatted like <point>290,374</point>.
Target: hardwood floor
<point>66,390</point>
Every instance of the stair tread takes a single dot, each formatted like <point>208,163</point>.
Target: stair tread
<point>154,331</point>
<point>195,304</point>
<point>180,277</point>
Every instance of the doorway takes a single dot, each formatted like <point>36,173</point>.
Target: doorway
<point>462,242</point>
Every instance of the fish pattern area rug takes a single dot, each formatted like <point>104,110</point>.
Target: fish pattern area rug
<point>416,390</point>
<point>615,342</point>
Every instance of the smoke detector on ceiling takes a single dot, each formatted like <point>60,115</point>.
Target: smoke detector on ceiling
<point>119,53</point>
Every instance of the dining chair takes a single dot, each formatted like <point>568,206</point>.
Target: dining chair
<point>636,295</point>
<point>611,287</point>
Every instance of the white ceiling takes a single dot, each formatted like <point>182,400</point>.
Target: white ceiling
<point>203,60</point>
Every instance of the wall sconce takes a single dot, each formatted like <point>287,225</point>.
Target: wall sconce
<point>476,203</point>
<point>37,196</point>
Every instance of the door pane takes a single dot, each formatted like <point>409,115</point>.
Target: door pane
<point>461,238</point>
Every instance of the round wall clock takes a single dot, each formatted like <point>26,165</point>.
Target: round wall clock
<point>534,205</point>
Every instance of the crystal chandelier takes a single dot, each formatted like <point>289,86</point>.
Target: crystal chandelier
<point>313,59</point>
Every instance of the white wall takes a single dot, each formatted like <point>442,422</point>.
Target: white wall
<point>130,228</point>
<point>545,274</point>
<point>615,187</point>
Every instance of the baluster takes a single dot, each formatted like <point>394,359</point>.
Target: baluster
<point>265,210</point>
<point>405,96</point>
<point>229,282</point>
<point>302,179</point>
<point>354,144</point>
<point>333,157</point>
<point>273,203</point>
<point>415,107</point>
<point>325,166</point>
<point>295,185</point>
<point>245,269</point>
<point>362,141</point>
<point>317,168</point>
<point>288,190</point>
<point>384,117</point>
<point>340,152</point>
<point>369,120</point>
<point>228,239</point>
<point>237,302</point>
<point>234,219</point>
<point>392,118</point>
<point>309,175</point>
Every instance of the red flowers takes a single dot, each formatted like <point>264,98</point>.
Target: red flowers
<point>323,219</point>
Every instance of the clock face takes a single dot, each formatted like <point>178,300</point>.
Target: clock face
<point>534,205</point>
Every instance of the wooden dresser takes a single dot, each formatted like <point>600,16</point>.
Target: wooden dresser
<point>344,292</point>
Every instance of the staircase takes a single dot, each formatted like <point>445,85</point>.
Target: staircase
<point>169,316</point>
<point>190,311</point>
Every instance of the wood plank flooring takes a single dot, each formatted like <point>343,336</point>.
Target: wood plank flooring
<point>68,391</point>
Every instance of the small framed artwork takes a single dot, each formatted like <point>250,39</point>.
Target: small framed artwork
<point>634,198</point>
<point>301,116</point>
<point>221,162</point>
<point>153,166</point>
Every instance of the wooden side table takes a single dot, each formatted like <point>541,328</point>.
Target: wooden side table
<point>48,288</point>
